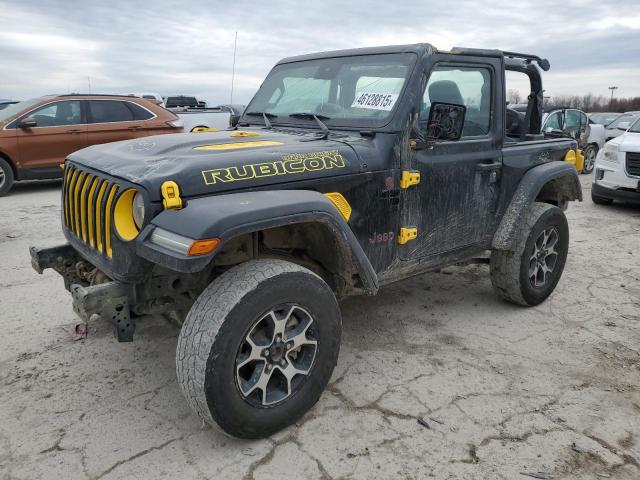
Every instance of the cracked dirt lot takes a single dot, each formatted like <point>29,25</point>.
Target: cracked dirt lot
<point>436,378</point>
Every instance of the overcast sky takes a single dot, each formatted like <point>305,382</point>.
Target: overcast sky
<point>55,46</point>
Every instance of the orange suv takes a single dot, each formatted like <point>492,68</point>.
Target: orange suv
<point>37,135</point>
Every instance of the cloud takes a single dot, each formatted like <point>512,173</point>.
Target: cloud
<point>57,45</point>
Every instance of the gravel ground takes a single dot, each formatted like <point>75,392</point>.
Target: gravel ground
<point>436,378</point>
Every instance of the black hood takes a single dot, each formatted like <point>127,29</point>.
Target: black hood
<point>207,163</point>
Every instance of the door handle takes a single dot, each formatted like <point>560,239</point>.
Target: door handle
<point>488,167</point>
<point>74,131</point>
<point>135,127</point>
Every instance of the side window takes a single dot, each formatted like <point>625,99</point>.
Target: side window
<point>58,114</point>
<point>553,122</point>
<point>572,120</point>
<point>468,86</point>
<point>139,113</point>
<point>583,119</point>
<point>108,111</point>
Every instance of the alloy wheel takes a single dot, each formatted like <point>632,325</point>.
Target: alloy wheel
<point>276,355</point>
<point>589,159</point>
<point>544,257</point>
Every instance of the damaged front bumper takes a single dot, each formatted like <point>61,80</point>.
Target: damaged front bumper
<point>109,300</point>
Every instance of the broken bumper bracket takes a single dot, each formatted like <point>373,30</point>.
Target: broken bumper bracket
<point>110,302</point>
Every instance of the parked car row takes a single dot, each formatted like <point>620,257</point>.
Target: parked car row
<point>37,135</point>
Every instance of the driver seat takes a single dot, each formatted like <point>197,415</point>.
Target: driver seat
<point>445,91</point>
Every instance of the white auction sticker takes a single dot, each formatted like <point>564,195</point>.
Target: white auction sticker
<point>375,101</point>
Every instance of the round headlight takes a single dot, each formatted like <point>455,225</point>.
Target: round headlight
<point>138,210</point>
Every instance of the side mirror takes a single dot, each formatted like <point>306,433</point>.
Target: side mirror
<point>28,122</point>
<point>624,126</point>
<point>446,121</point>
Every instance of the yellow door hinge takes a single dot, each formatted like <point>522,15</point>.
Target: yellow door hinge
<point>409,178</point>
<point>171,195</point>
<point>407,234</point>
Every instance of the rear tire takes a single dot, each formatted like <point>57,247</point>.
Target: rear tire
<point>590,153</point>
<point>6,177</point>
<point>528,275</point>
<point>258,347</point>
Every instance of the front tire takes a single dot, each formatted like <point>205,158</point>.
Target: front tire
<point>590,153</point>
<point>528,275</point>
<point>258,347</point>
<point>6,177</point>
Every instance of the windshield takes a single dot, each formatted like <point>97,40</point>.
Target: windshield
<point>604,118</point>
<point>16,108</point>
<point>619,120</point>
<point>635,128</point>
<point>342,91</point>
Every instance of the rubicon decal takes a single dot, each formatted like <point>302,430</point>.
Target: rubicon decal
<point>290,164</point>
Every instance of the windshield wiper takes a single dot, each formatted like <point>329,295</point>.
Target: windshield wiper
<point>310,116</point>
<point>265,116</point>
<point>261,114</point>
<point>323,127</point>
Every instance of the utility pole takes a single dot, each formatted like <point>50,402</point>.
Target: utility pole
<point>233,68</point>
<point>612,88</point>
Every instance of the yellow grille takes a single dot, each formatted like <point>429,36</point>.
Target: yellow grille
<point>88,202</point>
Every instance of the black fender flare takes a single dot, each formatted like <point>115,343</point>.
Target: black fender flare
<point>566,187</point>
<point>227,216</point>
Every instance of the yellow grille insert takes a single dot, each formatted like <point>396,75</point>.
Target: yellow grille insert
<point>90,210</point>
<point>83,206</point>
<point>76,203</point>
<point>69,197</point>
<point>103,188</point>
<point>88,204</point>
<point>107,220</point>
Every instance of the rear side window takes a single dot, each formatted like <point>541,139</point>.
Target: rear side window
<point>107,111</point>
<point>139,113</point>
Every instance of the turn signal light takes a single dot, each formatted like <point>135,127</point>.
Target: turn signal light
<point>202,247</point>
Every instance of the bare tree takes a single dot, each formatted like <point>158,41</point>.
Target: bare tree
<point>592,103</point>
<point>513,96</point>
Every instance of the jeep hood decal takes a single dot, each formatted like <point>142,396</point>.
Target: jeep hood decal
<point>208,163</point>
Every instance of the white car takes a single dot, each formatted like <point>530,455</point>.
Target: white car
<point>620,125</point>
<point>617,168</point>
<point>575,124</point>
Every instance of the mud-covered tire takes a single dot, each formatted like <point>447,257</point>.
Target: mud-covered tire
<point>600,200</point>
<point>590,153</point>
<point>6,177</point>
<point>510,270</point>
<point>217,328</point>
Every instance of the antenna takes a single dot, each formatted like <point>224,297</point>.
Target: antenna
<point>89,82</point>
<point>233,68</point>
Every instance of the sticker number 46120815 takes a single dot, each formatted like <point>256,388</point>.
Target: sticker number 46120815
<point>375,101</point>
